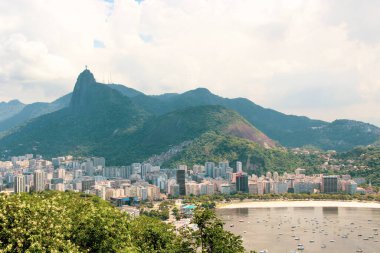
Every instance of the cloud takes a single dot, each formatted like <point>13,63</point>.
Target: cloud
<point>316,58</point>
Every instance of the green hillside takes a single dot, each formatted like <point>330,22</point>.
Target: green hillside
<point>101,121</point>
<point>216,147</point>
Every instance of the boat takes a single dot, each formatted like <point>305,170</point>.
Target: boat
<point>232,225</point>
<point>359,250</point>
<point>323,246</point>
<point>332,240</point>
<point>264,251</point>
<point>311,241</point>
<point>300,247</point>
<point>241,221</point>
<point>297,238</point>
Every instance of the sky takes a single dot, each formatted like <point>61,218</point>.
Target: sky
<point>315,58</point>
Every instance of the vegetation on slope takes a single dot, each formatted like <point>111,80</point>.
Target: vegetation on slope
<point>366,161</point>
<point>71,222</point>
<point>216,147</point>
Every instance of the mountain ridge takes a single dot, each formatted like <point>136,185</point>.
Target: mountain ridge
<point>102,121</point>
<point>287,130</point>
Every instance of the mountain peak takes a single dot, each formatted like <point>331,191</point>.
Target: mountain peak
<point>86,76</point>
<point>12,102</point>
<point>85,82</point>
<point>200,90</point>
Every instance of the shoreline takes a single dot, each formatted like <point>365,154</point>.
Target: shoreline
<point>298,203</point>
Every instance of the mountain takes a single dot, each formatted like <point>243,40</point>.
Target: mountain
<point>9,109</point>
<point>288,130</point>
<point>34,110</point>
<point>102,121</point>
<point>96,113</point>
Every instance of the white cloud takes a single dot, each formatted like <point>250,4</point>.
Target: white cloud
<point>316,58</point>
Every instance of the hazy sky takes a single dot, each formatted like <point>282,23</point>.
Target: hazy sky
<point>315,58</point>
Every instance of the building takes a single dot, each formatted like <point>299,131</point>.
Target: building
<point>330,184</point>
<point>87,184</point>
<point>38,178</point>
<point>209,167</point>
<point>19,183</point>
<point>239,167</point>
<point>242,182</point>
<point>351,187</point>
<point>181,180</point>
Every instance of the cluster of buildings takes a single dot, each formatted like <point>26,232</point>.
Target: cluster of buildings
<point>127,185</point>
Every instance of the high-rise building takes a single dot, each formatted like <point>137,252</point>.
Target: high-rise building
<point>19,183</point>
<point>330,184</point>
<point>209,166</point>
<point>242,182</point>
<point>239,167</point>
<point>181,178</point>
<point>39,182</point>
<point>145,168</point>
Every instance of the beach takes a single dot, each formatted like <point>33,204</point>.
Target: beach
<point>297,203</point>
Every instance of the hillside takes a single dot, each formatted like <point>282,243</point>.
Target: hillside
<point>101,121</point>
<point>288,130</point>
<point>216,147</point>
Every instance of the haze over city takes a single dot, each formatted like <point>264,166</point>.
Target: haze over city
<point>313,58</point>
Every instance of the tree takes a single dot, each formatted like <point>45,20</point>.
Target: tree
<point>211,235</point>
<point>153,236</point>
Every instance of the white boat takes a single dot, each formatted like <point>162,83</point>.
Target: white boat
<point>332,240</point>
<point>359,250</point>
<point>300,247</point>
<point>323,246</point>
<point>264,251</point>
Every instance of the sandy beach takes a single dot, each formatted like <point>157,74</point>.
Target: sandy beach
<point>306,203</point>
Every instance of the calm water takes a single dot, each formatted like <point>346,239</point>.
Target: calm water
<point>276,229</point>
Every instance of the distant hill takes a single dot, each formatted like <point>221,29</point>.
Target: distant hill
<point>8,109</point>
<point>101,121</point>
<point>31,111</point>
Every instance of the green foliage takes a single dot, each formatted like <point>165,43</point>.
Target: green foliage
<point>61,222</point>
<point>212,236</point>
<point>215,147</point>
<point>367,157</point>
<point>152,235</point>
<point>73,222</point>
